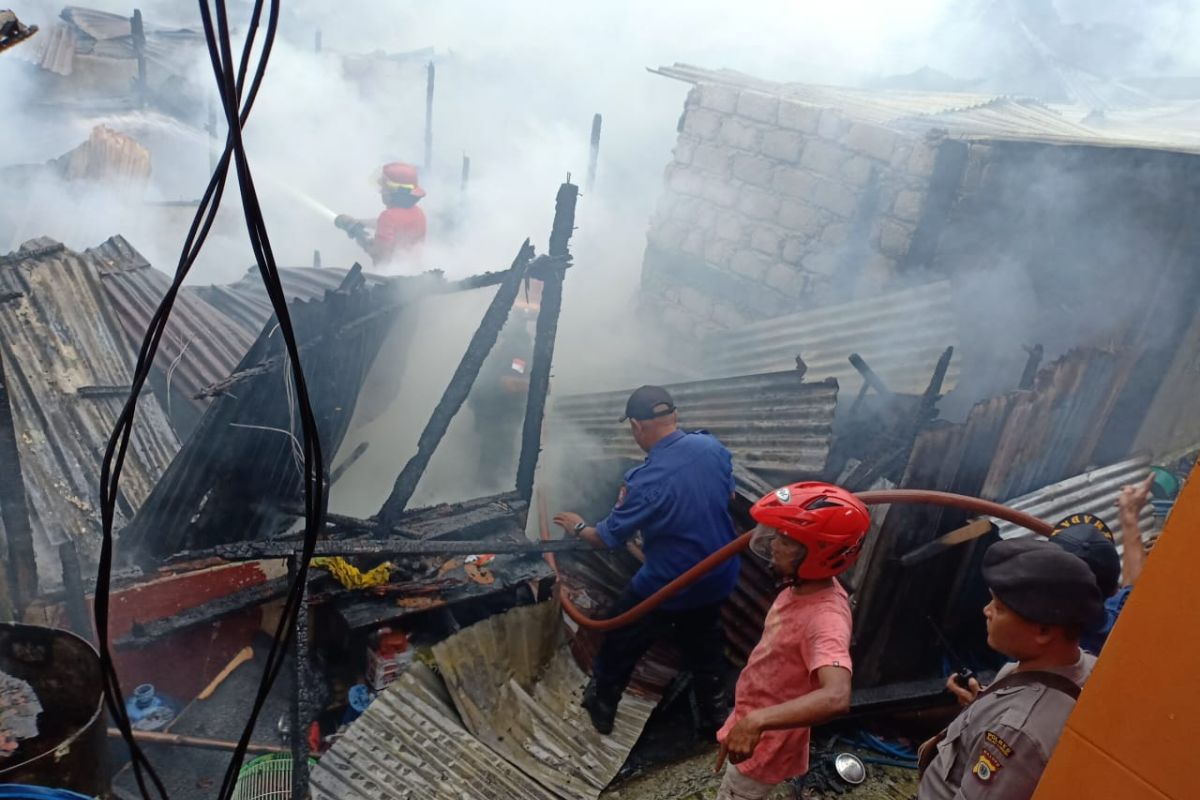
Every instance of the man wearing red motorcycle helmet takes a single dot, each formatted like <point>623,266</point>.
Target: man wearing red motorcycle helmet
<point>799,672</point>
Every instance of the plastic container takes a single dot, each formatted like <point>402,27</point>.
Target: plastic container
<point>20,791</point>
<point>147,710</point>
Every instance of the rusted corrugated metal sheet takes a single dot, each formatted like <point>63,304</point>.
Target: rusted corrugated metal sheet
<point>68,367</point>
<point>900,335</point>
<point>773,421</point>
<point>1009,446</point>
<point>201,345</point>
<point>522,733</point>
<point>1093,492</point>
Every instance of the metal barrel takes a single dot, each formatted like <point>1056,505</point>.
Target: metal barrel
<point>63,671</point>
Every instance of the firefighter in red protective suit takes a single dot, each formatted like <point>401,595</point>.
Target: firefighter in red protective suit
<point>498,397</point>
<point>401,226</point>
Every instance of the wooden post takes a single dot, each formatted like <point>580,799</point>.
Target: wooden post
<point>459,387</point>
<point>594,154</point>
<point>20,568</point>
<point>429,118</point>
<point>139,51</point>
<point>547,330</point>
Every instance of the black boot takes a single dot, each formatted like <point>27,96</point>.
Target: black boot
<point>712,706</point>
<point>601,706</point>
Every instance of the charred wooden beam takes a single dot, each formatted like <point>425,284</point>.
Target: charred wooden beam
<point>594,152</point>
<point>270,365</point>
<point>258,550</point>
<point>350,460</point>
<point>547,331</point>
<point>20,568</point>
<point>869,376</point>
<point>146,632</point>
<point>8,297</point>
<point>72,578</point>
<point>32,252</point>
<point>459,387</point>
<point>138,35</point>
<point>1032,363</point>
<point>431,72</point>
<point>101,392</point>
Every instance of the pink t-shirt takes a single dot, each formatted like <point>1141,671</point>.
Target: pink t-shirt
<point>803,632</point>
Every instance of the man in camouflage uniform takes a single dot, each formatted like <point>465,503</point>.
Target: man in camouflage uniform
<point>1043,598</point>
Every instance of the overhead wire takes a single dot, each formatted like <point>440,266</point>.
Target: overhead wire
<point>231,89</point>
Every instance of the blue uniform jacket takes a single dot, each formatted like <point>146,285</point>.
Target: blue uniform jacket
<point>679,499</point>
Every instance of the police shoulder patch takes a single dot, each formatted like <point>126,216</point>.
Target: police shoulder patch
<point>986,767</point>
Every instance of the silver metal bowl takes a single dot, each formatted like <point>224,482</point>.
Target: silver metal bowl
<point>850,768</point>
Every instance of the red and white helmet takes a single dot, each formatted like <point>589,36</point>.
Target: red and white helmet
<point>829,521</point>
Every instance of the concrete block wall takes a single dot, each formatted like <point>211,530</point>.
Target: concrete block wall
<point>770,204</point>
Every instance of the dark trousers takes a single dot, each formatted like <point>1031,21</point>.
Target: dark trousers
<point>695,631</point>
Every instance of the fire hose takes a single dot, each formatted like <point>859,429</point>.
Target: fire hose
<point>882,497</point>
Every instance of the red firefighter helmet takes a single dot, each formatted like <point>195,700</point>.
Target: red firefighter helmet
<point>829,521</point>
<point>398,175</point>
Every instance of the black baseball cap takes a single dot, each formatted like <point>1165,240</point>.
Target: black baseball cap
<point>648,402</point>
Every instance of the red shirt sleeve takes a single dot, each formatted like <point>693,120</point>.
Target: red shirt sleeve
<point>827,643</point>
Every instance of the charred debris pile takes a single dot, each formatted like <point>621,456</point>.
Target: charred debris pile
<point>835,254</point>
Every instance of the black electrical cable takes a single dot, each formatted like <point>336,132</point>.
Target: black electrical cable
<point>231,91</point>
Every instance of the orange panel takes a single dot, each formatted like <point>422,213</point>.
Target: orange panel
<point>1135,731</point>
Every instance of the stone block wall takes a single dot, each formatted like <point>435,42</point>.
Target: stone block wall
<point>771,204</point>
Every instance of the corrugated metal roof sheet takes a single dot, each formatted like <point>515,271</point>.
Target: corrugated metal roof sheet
<point>241,463</point>
<point>68,367</point>
<point>54,50</point>
<point>410,745</point>
<point>518,690</point>
<point>901,335</point>
<point>245,301</point>
<point>960,113</point>
<point>1093,492</point>
<point>201,345</point>
<point>772,421</point>
<point>519,731</point>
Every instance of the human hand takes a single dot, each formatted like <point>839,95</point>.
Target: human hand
<point>568,520</point>
<point>1133,498</point>
<point>740,742</point>
<point>964,694</point>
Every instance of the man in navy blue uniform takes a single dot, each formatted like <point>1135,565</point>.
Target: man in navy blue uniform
<point>679,499</point>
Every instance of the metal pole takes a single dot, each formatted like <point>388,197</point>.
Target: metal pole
<point>139,51</point>
<point>594,155</point>
<point>547,330</point>
<point>301,712</point>
<point>466,173</point>
<point>317,41</point>
<point>20,568</point>
<point>429,118</point>
<point>459,387</point>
